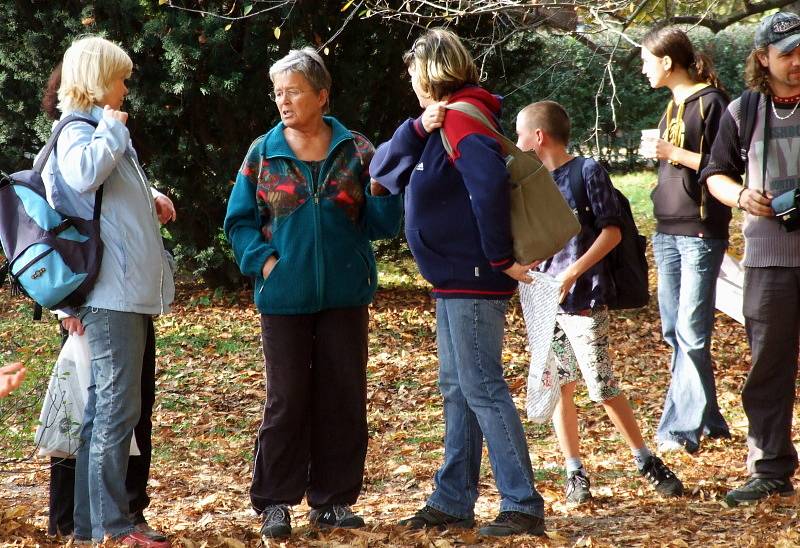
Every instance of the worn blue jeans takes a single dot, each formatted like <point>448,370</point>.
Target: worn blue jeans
<point>688,267</point>
<point>477,405</point>
<point>116,343</point>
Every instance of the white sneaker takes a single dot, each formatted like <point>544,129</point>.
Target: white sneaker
<point>668,446</point>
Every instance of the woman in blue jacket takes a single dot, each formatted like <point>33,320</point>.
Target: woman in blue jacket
<point>134,283</point>
<point>300,219</point>
<point>458,228</point>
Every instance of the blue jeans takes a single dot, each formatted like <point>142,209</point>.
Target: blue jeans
<point>116,343</point>
<point>477,404</point>
<point>688,267</point>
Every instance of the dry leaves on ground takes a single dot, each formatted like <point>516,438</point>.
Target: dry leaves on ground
<point>210,395</point>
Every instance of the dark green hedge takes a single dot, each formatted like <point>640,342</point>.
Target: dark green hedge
<point>200,84</point>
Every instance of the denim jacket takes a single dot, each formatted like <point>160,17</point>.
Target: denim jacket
<point>136,273</point>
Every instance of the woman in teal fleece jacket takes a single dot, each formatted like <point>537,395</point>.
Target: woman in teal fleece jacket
<point>300,219</point>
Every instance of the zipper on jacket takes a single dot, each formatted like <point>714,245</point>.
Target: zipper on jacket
<point>303,167</point>
<point>149,197</point>
<point>316,187</point>
<point>323,174</point>
<point>318,247</point>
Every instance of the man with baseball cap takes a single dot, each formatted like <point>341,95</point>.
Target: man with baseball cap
<point>770,160</point>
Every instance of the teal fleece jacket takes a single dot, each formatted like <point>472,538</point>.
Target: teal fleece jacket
<point>319,228</point>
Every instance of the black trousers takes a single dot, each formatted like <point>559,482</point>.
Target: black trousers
<point>313,438</point>
<point>62,471</point>
<point>772,321</point>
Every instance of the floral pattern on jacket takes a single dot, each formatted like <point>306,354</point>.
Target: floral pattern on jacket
<point>282,187</point>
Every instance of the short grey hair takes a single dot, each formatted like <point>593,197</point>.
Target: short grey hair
<point>307,62</point>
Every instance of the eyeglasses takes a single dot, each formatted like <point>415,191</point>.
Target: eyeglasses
<point>291,94</point>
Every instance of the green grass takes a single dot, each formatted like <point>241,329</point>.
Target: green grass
<point>36,345</point>
<point>637,187</point>
<point>399,272</point>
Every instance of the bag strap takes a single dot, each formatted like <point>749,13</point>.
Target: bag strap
<point>764,154</point>
<point>473,112</point>
<point>50,146</point>
<point>577,187</point>
<point>748,112</point>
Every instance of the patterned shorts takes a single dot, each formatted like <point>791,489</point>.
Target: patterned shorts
<point>582,342</point>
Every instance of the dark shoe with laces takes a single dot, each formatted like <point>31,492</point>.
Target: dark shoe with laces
<point>578,487</point>
<point>513,523</point>
<point>276,522</point>
<point>428,517</point>
<point>335,516</point>
<point>718,434</point>
<point>689,446</point>
<point>664,480</point>
<point>756,489</point>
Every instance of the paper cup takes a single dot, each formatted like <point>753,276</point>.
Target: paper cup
<point>651,134</point>
<point>647,148</point>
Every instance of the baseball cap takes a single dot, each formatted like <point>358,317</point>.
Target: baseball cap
<point>781,30</point>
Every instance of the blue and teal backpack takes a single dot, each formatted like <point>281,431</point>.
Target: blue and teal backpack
<point>52,258</point>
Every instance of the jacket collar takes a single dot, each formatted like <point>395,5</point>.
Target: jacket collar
<point>94,112</point>
<point>277,145</point>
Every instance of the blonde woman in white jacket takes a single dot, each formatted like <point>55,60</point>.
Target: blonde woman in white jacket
<point>134,283</point>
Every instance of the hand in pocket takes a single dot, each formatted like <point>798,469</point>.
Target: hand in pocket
<point>269,264</point>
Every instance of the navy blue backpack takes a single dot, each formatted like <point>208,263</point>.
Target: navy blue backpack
<point>627,262</point>
<point>52,258</point>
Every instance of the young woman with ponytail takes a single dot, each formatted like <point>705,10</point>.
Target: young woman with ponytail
<point>691,234</point>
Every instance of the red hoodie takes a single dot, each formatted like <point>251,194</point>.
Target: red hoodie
<point>458,125</point>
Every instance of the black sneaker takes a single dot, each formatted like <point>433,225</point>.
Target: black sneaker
<point>513,523</point>
<point>756,489</point>
<point>335,515</point>
<point>718,434</point>
<point>578,487</point>
<point>428,517</point>
<point>276,522</point>
<point>666,483</point>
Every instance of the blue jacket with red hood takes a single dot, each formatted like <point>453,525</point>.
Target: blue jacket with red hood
<point>457,212</point>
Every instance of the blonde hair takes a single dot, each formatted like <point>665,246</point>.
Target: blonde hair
<point>441,63</point>
<point>90,66</point>
<point>756,75</point>
<point>548,116</point>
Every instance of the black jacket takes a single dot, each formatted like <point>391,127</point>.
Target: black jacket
<point>681,205</point>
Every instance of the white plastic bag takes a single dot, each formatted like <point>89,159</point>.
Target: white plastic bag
<point>539,307</point>
<point>62,409</point>
<point>60,420</point>
<point>543,392</point>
